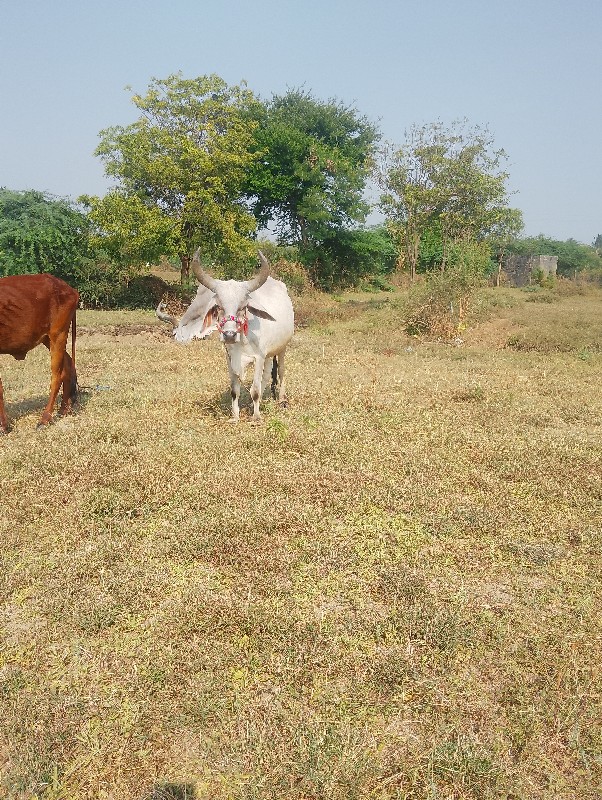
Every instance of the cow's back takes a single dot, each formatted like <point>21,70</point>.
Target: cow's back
<point>32,308</point>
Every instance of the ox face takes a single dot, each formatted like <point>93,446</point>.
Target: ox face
<point>232,306</point>
<point>232,301</point>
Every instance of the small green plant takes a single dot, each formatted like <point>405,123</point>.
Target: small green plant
<point>585,354</point>
<point>277,428</point>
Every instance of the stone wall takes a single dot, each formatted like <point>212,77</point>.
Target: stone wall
<point>523,270</point>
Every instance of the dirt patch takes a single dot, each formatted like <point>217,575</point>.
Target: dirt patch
<point>493,334</point>
<point>123,330</point>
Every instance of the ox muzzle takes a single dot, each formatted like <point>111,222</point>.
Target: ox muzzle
<point>231,327</point>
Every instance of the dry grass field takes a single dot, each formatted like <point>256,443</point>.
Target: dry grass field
<point>391,589</point>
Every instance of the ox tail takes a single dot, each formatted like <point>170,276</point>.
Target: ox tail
<point>274,376</point>
<point>73,387</point>
<point>73,335</point>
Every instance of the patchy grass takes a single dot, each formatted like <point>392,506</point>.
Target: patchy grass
<point>567,323</point>
<point>390,590</point>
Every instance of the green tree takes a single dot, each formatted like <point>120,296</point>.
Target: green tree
<point>346,256</point>
<point>40,233</point>
<point>315,158</point>
<point>449,182</point>
<point>180,170</point>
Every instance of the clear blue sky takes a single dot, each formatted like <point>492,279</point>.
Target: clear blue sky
<point>529,70</point>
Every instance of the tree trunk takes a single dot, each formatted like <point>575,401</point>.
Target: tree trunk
<point>303,230</point>
<point>413,253</point>
<point>184,268</point>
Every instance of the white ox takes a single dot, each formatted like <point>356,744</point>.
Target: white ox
<point>255,321</point>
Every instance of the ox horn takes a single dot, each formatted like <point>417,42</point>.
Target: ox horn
<point>166,317</point>
<point>200,274</point>
<point>263,275</point>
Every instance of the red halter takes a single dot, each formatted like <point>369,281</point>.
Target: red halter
<point>242,323</point>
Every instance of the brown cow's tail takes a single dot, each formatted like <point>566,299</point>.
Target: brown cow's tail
<point>73,334</point>
<point>73,386</point>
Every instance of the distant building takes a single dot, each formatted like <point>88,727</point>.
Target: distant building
<point>523,270</point>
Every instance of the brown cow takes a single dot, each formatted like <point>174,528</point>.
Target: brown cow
<point>39,309</point>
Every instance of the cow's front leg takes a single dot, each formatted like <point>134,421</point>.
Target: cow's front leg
<point>257,387</point>
<point>235,394</point>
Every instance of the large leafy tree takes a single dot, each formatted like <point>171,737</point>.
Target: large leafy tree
<point>314,161</point>
<point>448,180</point>
<point>40,233</point>
<point>180,170</point>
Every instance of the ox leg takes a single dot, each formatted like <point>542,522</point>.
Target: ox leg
<point>235,393</point>
<point>69,381</point>
<point>281,387</point>
<point>3,420</point>
<point>258,385</point>
<point>57,361</point>
<point>267,376</point>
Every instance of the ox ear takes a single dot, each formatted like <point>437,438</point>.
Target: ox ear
<point>256,308</point>
<point>200,319</point>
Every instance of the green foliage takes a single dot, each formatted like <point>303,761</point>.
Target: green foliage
<point>100,280</point>
<point>472,258</point>
<point>447,184</point>
<point>275,252</point>
<point>430,249</point>
<point>103,283</point>
<point>346,257</point>
<point>309,178</point>
<point>434,255</point>
<point>145,292</point>
<point>39,233</point>
<point>149,231</point>
<point>180,170</point>
<point>285,264</point>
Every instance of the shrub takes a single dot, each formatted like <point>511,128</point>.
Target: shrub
<point>377,283</point>
<point>439,306</point>
<point>293,274</point>
<point>39,233</point>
